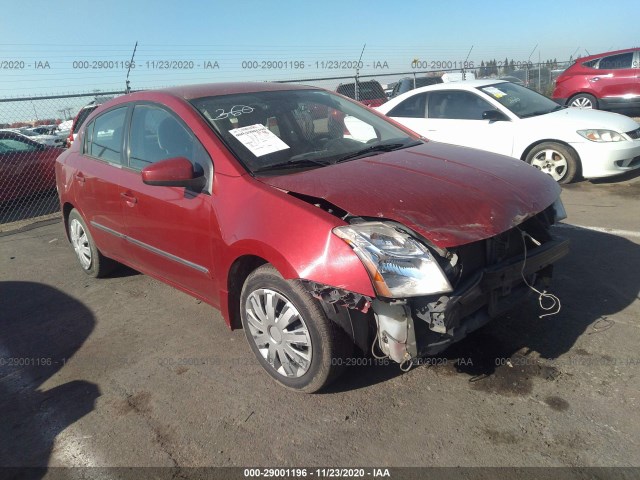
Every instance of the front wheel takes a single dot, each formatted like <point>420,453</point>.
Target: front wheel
<point>289,332</point>
<point>556,160</point>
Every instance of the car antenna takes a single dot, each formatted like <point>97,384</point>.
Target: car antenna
<point>128,85</point>
<point>358,72</point>
<point>464,65</point>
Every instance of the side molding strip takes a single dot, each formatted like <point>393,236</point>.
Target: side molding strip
<point>153,249</point>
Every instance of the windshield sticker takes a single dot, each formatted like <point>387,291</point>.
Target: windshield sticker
<point>235,111</point>
<point>258,139</point>
<point>497,93</point>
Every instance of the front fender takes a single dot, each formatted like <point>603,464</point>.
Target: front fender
<point>294,236</point>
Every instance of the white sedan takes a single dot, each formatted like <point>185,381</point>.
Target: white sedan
<point>512,120</point>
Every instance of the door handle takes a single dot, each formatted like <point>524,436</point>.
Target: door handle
<point>130,199</point>
<point>79,177</point>
<point>594,79</point>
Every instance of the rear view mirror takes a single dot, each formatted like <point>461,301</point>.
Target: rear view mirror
<point>173,172</point>
<point>494,116</point>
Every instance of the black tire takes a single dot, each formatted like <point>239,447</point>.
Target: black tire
<point>98,265</point>
<point>329,344</point>
<point>545,155</point>
<point>583,100</point>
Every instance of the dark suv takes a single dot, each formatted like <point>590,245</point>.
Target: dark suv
<point>369,93</point>
<point>408,83</point>
<point>608,81</point>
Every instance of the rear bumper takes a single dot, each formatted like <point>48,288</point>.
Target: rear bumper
<point>491,292</point>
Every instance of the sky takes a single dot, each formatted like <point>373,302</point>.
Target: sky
<point>82,46</point>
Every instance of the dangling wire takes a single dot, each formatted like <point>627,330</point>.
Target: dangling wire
<point>373,347</point>
<point>555,301</point>
<point>408,367</point>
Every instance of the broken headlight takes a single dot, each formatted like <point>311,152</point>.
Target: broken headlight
<point>398,264</point>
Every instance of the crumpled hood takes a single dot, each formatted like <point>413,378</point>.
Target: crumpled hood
<point>450,195</point>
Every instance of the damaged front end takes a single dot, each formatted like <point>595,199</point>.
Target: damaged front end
<point>430,297</point>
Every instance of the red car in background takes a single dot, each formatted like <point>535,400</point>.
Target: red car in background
<point>607,81</point>
<point>26,167</point>
<point>315,233</point>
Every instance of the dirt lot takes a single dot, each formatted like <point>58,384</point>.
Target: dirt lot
<point>127,371</point>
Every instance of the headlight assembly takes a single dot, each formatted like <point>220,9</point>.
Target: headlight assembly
<point>601,136</point>
<point>399,265</point>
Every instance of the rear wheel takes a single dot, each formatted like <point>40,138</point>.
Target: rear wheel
<point>556,160</point>
<point>289,332</point>
<point>91,260</point>
<point>584,100</point>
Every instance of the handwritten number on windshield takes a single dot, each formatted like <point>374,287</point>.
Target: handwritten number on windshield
<point>235,111</point>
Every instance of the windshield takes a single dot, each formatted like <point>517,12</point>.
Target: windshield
<point>278,132</point>
<point>520,100</point>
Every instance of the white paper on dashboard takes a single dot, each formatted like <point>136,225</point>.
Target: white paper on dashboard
<point>496,92</point>
<point>258,139</point>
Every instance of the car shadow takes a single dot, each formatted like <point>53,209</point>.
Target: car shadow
<point>41,328</point>
<point>623,177</point>
<point>598,279</point>
<point>591,289</point>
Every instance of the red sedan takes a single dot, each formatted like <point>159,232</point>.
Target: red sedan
<point>26,166</point>
<point>315,233</point>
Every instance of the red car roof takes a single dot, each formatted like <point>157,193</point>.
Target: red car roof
<point>189,92</point>
<point>599,55</point>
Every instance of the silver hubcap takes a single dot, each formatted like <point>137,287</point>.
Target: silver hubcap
<point>279,332</point>
<point>80,243</point>
<point>582,102</point>
<point>551,162</point>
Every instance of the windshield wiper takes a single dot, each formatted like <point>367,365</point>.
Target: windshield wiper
<point>385,147</point>
<point>305,162</point>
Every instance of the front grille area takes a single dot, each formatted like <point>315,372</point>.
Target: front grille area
<point>634,134</point>
<point>484,253</point>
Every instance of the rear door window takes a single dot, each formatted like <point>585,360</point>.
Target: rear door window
<point>104,136</point>
<point>412,107</point>
<point>616,62</point>
<point>458,105</point>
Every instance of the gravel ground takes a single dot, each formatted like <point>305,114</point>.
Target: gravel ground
<point>127,371</point>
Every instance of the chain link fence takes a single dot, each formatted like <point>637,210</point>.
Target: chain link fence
<point>35,130</point>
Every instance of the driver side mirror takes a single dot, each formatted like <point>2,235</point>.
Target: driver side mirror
<point>173,172</point>
<point>494,116</point>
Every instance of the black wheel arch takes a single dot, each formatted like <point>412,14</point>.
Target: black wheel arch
<point>356,325</point>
